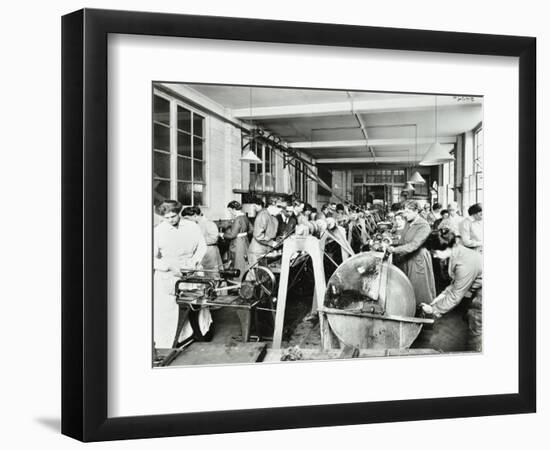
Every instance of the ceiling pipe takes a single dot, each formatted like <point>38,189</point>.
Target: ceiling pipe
<point>362,126</point>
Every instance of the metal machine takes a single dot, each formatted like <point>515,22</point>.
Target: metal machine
<point>369,304</point>
<point>208,288</point>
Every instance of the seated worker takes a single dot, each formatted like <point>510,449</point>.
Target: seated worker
<point>466,270</point>
<point>264,232</point>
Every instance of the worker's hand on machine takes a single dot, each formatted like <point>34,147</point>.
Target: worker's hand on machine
<point>427,309</point>
<point>390,249</point>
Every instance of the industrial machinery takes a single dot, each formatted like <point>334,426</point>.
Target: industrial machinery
<point>369,304</point>
<point>198,284</point>
<point>214,288</point>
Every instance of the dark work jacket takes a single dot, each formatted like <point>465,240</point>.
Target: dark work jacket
<point>284,229</point>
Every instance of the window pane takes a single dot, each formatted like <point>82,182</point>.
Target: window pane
<point>198,190</point>
<point>161,165</point>
<point>161,110</point>
<point>197,198</point>
<point>161,191</point>
<point>184,119</point>
<point>197,171</point>
<point>184,169</point>
<point>197,148</point>
<point>161,137</point>
<point>198,125</point>
<point>184,193</point>
<point>184,144</point>
<point>358,178</point>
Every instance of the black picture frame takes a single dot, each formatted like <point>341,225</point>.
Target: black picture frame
<point>84,224</point>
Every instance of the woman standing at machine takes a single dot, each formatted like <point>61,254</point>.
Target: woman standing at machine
<point>177,245</point>
<point>238,235</point>
<point>411,255</point>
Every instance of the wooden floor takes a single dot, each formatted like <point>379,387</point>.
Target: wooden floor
<point>447,335</point>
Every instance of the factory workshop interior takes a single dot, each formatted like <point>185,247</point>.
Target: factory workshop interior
<point>304,224</point>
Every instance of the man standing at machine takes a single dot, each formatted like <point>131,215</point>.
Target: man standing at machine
<point>287,220</point>
<point>265,232</point>
<point>466,270</point>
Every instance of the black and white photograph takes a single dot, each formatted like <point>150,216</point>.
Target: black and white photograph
<point>275,225</point>
<point>300,224</point>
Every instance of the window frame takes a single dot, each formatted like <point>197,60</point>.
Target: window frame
<point>174,155</point>
<point>477,162</point>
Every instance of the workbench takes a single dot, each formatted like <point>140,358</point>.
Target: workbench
<point>242,308</point>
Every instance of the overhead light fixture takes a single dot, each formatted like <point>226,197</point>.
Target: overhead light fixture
<point>436,154</point>
<point>417,178</point>
<point>408,186</point>
<point>250,157</point>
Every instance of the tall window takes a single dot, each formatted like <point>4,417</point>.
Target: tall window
<point>300,181</point>
<point>478,164</point>
<point>178,152</point>
<point>161,150</point>
<point>262,176</point>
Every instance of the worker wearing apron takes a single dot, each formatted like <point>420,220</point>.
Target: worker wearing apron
<point>237,234</point>
<point>178,244</point>
<point>412,257</point>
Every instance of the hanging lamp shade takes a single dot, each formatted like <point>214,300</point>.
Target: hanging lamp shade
<point>436,155</point>
<point>416,178</point>
<point>250,157</point>
<point>408,186</point>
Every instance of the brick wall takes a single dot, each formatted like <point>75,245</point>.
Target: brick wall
<point>223,168</point>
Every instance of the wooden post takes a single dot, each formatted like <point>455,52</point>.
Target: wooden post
<point>310,245</point>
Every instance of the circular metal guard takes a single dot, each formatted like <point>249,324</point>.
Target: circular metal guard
<point>263,284</point>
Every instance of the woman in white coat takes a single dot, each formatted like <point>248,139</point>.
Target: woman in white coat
<point>178,244</point>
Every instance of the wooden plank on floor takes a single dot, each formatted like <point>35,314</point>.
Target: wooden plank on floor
<point>200,353</point>
<point>309,354</point>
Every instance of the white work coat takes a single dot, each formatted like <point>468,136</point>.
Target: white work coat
<point>174,248</point>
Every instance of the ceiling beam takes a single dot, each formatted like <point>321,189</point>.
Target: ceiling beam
<point>422,102</point>
<point>395,142</point>
<point>365,160</point>
<point>369,159</point>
